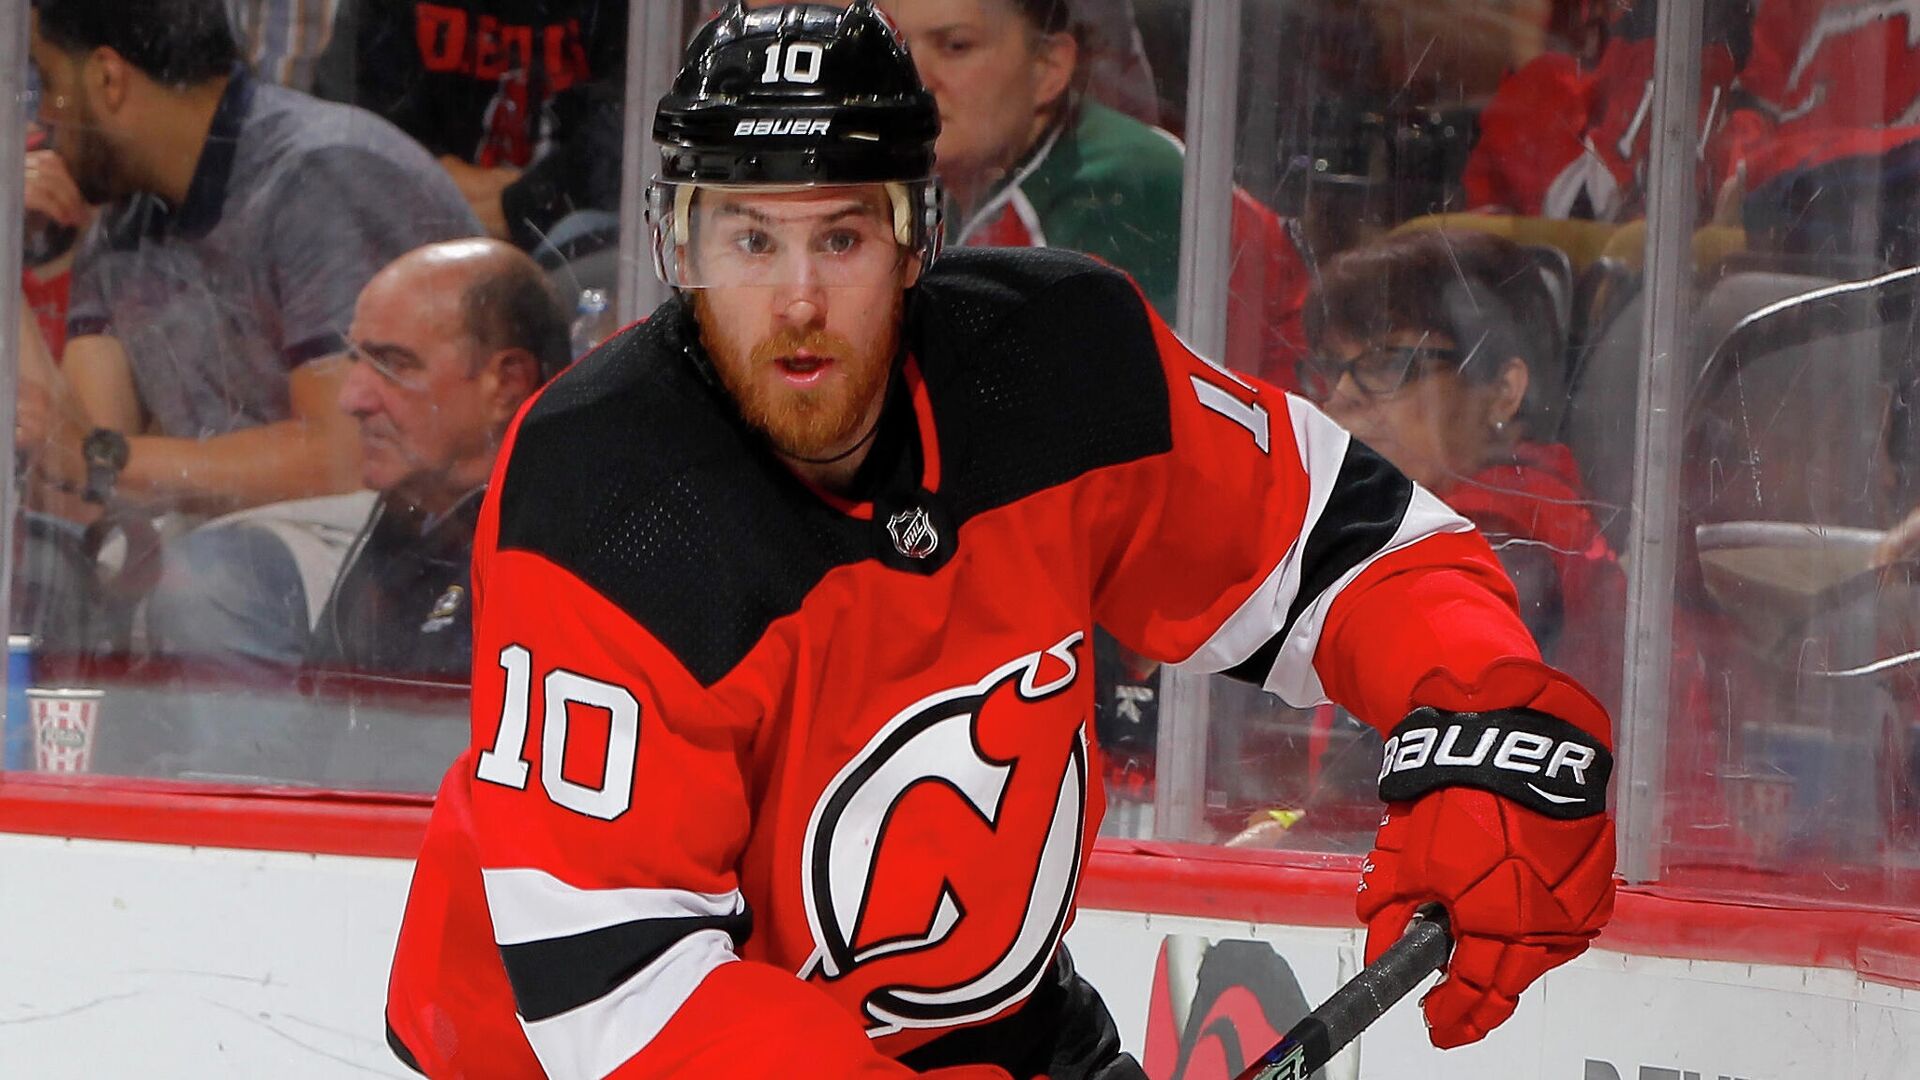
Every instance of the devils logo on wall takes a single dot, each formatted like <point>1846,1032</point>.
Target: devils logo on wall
<point>960,799</point>
<point>1217,1007</point>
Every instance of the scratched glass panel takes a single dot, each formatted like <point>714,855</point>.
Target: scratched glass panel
<point>1083,153</point>
<point>1414,256</point>
<point>251,449</point>
<point>1793,767</point>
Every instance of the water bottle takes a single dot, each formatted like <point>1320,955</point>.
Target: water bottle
<point>590,321</point>
<point>16,749</point>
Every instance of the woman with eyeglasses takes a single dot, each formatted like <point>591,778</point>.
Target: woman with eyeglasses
<point>1435,349</point>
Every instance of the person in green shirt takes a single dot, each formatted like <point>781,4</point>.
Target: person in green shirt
<point>1027,158</point>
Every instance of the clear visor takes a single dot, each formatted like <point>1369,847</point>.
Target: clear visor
<point>724,236</point>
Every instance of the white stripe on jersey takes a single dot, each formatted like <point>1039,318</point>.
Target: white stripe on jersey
<point>533,905</point>
<point>1293,678</point>
<point>1322,446</point>
<point>590,1042</point>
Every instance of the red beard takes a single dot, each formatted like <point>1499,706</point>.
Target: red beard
<point>815,422</point>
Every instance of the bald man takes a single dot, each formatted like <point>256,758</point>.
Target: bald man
<point>446,344</point>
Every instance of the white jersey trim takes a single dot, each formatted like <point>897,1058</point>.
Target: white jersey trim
<point>1323,447</point>
<point>590,1042</point>
<point>1293,678</point>
<point>532,905</point>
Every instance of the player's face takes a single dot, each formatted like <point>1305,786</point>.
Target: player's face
<point>421,389</point>
<point>993,75</point>
<point>806,354</point>
<point>1409,402</point>
<point>67,112</point>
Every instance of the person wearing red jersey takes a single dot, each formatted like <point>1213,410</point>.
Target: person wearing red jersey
<point>1826,153</point>
<point>1828,78</point>
<point>782,598</point>
<point>1565,138</point>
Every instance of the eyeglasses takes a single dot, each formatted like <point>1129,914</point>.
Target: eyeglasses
<point>1380,371</point>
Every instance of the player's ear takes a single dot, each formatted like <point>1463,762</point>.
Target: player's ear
<point>911,275</point>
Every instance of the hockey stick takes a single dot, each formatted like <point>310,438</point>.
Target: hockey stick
<point>1312,1042</point>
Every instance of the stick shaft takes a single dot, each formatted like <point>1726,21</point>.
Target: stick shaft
<point>1312,1042</point>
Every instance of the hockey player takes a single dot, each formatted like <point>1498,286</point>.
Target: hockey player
<point>781,762</point>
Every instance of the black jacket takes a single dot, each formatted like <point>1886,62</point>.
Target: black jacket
<point>402,605</point>
<point>533,84</point>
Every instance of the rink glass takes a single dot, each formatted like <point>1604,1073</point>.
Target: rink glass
<point>1738,403</point>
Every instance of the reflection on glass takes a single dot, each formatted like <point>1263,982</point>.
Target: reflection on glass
<point>1436,349</point>
<point>264,371</point>
<point>252,442</point>
<point>1792,761</point>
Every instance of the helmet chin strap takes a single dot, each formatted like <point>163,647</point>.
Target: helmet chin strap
<point>872,430</point>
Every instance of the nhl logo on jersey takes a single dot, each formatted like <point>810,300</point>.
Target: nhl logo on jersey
<point>913,533</point>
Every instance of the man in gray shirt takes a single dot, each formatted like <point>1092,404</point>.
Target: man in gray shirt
<point>211,299</point>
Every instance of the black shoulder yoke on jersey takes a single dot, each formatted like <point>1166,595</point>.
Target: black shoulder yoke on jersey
<point>634,472</point>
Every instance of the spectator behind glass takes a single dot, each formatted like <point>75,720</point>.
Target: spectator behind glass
<point>1114,58</point>
<point>210,302</point>
<point>282,40</point>
<point>1570,137</point>
<point>1426,349</point>
<point>55,215</point>
<point>1456,50</point>
<point>1028,161</point>
<point>1823,155</point>
<point>1426,345</point>
<point>448,342</point>
<point>520,100</point>
<point>1025,163</point>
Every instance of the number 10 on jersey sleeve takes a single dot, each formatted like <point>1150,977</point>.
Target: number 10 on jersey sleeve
<point>506,763</point>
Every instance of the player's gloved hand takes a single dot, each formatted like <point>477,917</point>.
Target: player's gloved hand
<point>1499,813</point>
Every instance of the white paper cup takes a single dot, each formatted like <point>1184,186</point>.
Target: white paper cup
<point>66,728</point>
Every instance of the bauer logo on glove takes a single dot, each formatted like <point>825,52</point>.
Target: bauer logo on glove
<point>1539,761</point>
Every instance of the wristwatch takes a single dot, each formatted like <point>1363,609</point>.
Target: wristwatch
<point>105,451</point>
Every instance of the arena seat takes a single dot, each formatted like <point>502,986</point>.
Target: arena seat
<point>1796,457</point>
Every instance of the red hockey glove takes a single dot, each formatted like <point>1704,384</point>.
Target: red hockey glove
<point>1500,815</point>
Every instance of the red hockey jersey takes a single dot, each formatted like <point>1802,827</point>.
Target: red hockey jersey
<point>1834,78</point>
<point>1535,503</point>
<point>766,783</point>
<point>1558,141</point>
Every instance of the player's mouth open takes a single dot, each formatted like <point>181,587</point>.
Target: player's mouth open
<point>803,368</point>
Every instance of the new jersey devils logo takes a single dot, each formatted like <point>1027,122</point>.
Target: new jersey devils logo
<point>940,873</point>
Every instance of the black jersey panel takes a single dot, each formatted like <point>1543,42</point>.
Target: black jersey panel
<point>1043,367</point>
<point>635,473</point>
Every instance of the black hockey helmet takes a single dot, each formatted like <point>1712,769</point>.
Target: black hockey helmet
<point>796,96</point>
